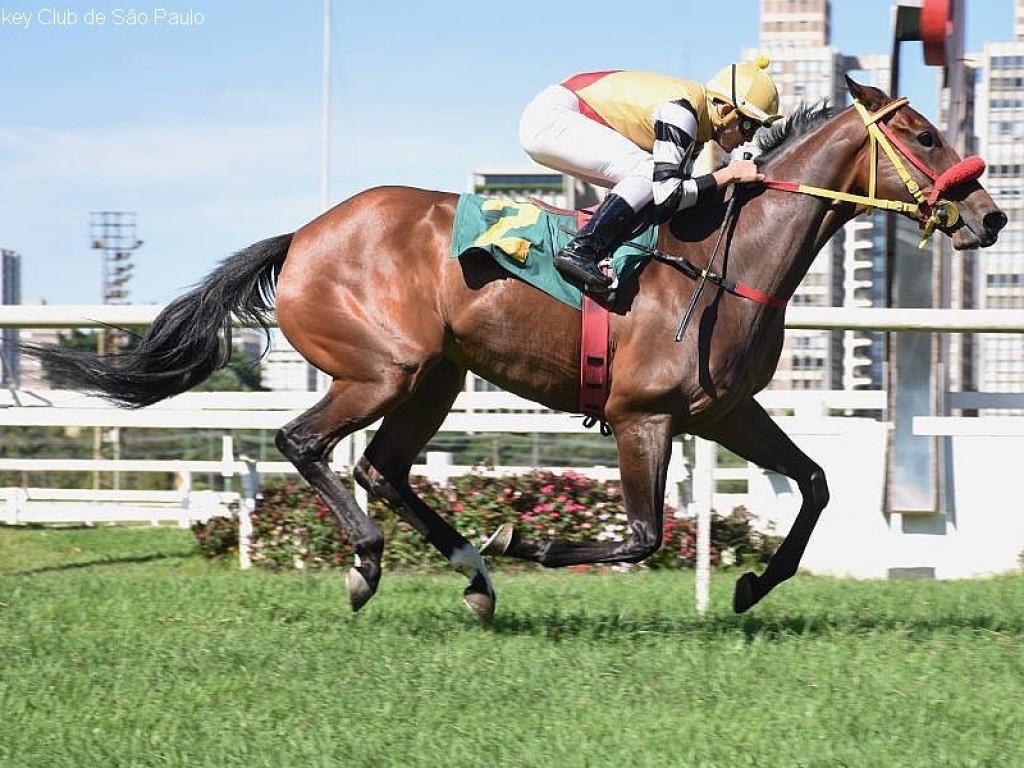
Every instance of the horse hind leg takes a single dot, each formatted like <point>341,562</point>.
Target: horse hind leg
<point>396,492</point>
<point>306,442</point>
<point>384,472</point>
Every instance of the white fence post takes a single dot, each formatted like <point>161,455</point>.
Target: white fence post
<point>705,457</point>
<point>250,492</point>
<point>358,446</point>
<point>227,456</point>
<point>678,473</point>
<point>16,497</point>
<point>341,456</point>
<point>439,467</point>
<point>185,488</point>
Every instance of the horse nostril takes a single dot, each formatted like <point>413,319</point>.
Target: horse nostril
<point>994,221</point>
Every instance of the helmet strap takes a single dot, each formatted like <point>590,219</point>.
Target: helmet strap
<point>722,122</point>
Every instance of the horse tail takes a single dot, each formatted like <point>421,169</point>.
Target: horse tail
<point>188,340</point>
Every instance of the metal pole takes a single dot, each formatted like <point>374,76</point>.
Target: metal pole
<point>325,122</point>
<point>318,380</point>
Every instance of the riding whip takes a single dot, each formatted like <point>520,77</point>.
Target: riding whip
<point>711,261</point>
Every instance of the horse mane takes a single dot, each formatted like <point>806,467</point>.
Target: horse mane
<point>802,120</point>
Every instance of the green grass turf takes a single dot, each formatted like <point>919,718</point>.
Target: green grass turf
<point>119,647</point>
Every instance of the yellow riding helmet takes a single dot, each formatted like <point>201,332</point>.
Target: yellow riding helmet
<point>749,88</point>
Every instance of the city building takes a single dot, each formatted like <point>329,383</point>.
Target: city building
<point>850,270</point>
<point>523,182</point>
<point>995,277</point>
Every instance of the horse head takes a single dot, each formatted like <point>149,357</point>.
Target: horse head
<point>909,160</point>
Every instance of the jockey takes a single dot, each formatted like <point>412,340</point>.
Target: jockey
<point>639,133</point>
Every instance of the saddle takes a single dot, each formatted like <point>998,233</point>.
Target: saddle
<point>522,237</point>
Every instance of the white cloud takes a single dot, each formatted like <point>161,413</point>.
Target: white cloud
<point>202,189</point>
<point>167,153</point>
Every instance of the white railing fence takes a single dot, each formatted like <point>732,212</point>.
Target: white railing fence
<point>473,412</point>
<point>809,416</point>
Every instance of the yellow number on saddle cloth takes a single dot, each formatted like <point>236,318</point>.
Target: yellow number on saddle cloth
<point>513,215</point>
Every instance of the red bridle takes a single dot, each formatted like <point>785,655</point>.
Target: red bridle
<point>932,211</point>
<point>967,170</point>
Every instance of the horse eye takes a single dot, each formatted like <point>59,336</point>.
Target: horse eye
<point>926,139</point>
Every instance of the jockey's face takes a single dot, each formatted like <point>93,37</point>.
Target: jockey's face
<point>731,133</point>
<point>734,128</point>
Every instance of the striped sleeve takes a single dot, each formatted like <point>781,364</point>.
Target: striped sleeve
<point>675,129</point>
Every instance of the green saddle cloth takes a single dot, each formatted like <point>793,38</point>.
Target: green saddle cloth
<point>524,238</point>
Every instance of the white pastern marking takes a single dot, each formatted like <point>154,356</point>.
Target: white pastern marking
<point>467,560</point>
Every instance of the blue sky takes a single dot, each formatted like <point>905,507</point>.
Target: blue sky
<point>209,128</point>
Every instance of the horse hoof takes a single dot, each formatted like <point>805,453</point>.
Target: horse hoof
<point>745,595</point>
<point>500,541</point>
<point>481,604</point>
<point>359,589</point>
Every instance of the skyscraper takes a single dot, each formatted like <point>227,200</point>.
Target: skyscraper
<point>849,271</point>
<point>996,275</point>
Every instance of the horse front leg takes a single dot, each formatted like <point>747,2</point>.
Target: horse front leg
<point>751,433</point>
<point>643,445</point>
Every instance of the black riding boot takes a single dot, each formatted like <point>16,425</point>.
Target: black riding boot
<point>598,238</point>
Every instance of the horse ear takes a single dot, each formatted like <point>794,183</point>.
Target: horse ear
<point>872,98</point>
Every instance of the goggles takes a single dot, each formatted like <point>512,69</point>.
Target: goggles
<point>748,128</point>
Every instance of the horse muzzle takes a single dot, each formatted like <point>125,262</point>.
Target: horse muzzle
<point>968,235</point>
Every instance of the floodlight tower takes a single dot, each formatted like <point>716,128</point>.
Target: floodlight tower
<point>113,234</point>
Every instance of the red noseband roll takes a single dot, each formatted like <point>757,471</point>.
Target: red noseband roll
<point>967,170</point>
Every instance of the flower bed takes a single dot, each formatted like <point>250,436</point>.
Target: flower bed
<point>292,528</point>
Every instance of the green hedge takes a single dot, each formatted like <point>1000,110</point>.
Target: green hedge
<point>292,528</point>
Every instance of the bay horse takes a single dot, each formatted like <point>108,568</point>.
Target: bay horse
<point>370,295</point>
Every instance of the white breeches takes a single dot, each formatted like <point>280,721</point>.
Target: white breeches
<point>555,134</point>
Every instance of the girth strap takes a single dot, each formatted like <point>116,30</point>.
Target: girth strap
<point>594,378</point>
